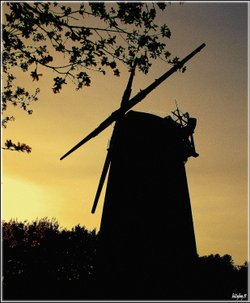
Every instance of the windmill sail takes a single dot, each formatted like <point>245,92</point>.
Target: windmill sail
<point>132,102</point>
<point>125,98</point>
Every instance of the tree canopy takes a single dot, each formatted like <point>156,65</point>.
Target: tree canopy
<point>42,261</point>
<point>87,37</point>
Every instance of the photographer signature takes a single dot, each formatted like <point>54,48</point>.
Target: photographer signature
<point>239,296</point>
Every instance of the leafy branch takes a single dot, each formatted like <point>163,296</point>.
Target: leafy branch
<point>9,145</point>
<point>84,37</point>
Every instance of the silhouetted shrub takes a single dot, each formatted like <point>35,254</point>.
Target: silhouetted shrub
<point>218,277</point>
<point>42,261</point>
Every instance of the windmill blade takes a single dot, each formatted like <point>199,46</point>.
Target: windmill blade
<point>102,180</point>
<point>136,99</point>
<point>94,133</point>
<point>125,98</point>
<point>128,89</point>
<point>110,119</point>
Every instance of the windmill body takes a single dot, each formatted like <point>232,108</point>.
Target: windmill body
<point>147,224</point>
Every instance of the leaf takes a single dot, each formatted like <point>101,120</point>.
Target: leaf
<point>116,72</point>
<point>17,147</point>
<point>112,64</point>
<point>58,82</point>
<point>165,31</point>
<point>35,76</point>
<point>83,80</point>
<point>161,5</point>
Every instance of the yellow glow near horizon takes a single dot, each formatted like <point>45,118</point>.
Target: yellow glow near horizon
<point>28,201</point>
<point>25,199</point>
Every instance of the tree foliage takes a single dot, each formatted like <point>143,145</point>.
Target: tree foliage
<point>42,261</point>
<point>74,40</point>
<point>9,145</point>
<point>40,256</point>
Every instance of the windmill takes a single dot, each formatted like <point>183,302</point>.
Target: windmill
<point>146,186</point>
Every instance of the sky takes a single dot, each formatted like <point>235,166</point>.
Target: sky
<point>214,89</point>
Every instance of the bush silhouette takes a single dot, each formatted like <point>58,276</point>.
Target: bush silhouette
<point>40,259</point>
<point>43,261</point>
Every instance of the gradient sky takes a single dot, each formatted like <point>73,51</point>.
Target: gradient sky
<point>214,89</point>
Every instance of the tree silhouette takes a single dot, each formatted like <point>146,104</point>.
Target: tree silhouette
<point>86,37</point>
<point>42,261</point>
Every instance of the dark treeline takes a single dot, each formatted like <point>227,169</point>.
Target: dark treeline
<point>42,261</point>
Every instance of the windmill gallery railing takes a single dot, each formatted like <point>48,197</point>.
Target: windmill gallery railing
<point>126,105</point>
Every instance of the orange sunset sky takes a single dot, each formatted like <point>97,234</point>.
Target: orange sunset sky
<point>214,89</point>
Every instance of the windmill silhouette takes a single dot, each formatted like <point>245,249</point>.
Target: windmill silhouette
<point>146,235</point>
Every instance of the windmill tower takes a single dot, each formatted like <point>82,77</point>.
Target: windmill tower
<point>147,220</point>
<point>146,236</point>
